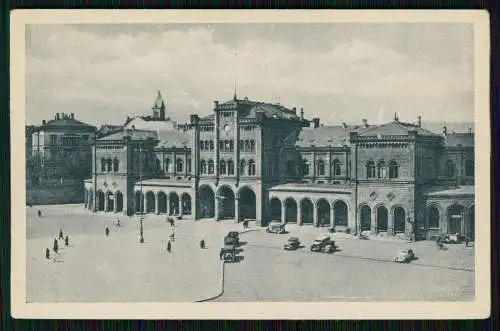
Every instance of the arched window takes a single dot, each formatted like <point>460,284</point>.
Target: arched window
<point>103,165</point>
<point>393,169</point>
<point>243,166</point>
<point>449,169</point>
<point>336,168</point>
<point>202,145</point>
<point>188,165</point>
<point>166,165</point>
<point>247,145</point>
<point>179,165</point>
<point>203,167</point>
<point>251,167</point>
<point>207,145</point>
<point>321,167</point>
<point>231,145</point>
<point>429,167</point>
<point>230,167</point>
<point>222,167</point>
<point>469,168</point>
<point>381,170</point>
<point>433,218</point>
<point>211,145</point>
<point>370,169</point>
<point>290,168</point>
<point>210,167</point>
<point>305,167</point>
<point>115,165</point>
<point>252,145</point>
<point>110,165</point>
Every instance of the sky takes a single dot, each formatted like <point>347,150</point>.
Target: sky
<point>336,71</point>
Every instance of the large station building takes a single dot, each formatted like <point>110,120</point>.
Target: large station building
<point>263,161</point>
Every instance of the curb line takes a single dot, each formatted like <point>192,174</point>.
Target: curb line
<point>222,286</point>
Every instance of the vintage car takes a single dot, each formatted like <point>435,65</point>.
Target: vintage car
<point>323,244</point>
<point>404,256</point>
<point>291,244</point>
<point>232,238</point>
<point>228,253</point>
<point>275,227</point>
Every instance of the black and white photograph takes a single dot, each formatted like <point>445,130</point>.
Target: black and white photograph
<point>239,164</point>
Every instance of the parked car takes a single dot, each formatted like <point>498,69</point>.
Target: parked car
<point>404,256</point>
<point>228,253</point>
<point>275,227</point>
<point>292,244</point>
<point>232,238</point>
<point>323,244</point>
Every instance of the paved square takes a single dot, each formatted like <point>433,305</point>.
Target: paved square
<point>96,268</point>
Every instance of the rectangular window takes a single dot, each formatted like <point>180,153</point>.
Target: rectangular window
<point>53,139</point>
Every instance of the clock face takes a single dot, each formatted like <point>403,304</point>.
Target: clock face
<point>227,128</point>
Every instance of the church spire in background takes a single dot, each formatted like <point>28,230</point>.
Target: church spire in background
<point>159,107</point>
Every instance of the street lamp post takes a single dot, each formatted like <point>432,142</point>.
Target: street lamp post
<point>141,202</point>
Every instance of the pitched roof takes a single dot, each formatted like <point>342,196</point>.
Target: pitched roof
<point>66,123</point>
<point>332,135</point>
<point>248,109</point>
<point>455,139</point>
<point>133,134</point>
<point>171,139</point>
<point>396,128</point>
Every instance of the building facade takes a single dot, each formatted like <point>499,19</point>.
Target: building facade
<point>263,161</point>
<point>61,150</point>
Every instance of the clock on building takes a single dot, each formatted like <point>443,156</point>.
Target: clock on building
<point>227,128</point>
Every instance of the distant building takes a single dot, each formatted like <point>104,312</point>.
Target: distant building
<point>107,129</point>
<point>263,161</point>
<point>61,150</point>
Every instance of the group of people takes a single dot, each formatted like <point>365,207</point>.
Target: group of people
<point>55,247</point>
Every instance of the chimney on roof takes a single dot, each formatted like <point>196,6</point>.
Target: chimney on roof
<point>44,122</point>
<point>396,118</point>
<point>72,116</point>
<point>57,116</point>
<point>216,104</point>
<point>419,121</point>
<point>294,109</point>
<point>194,118</point>
<point>365,122</point>
<point>344,125</point>
<point>302,113</point>
<point>445,130</point>
<point>470,130</point>
<point>316,122</point>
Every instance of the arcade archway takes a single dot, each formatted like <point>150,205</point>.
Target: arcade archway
<point>399,220</point>
<point>186,204</point>
<point>173,202</point>
<point>382,219</point>
<point>455,219</point>
<point>306,211</point>
<point>100,200</point>
<point>247,204</point>
<point>275,209</point>
<point>365,215</point>
<point>207,202</point>
<point>290,211</point>
<point>150,202</point>
<point>119,201</point>
<point>139,202</point>
<point>341,216</point>
<point>226,203</point>
<point>162,203</point>
<point>323,212</point>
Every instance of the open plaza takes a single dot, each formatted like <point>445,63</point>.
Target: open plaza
<point>118,268</point>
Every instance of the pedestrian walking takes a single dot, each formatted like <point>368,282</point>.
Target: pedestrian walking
<point>47,254</point>
<point>61,234</point>
<point>66,241</point>
<point>118,223</point>
<point>466,241</point>
<point>39,213</point>
<point>169,247</point>
<point>56,246</point>
<point>107,231</point>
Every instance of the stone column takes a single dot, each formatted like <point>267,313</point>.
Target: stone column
<point>299,213</point>
<point>374,221</point>
<point>236,209</point>
<point>283,212</point>
<point>390,223</point>
<point>463,222</point>
<point>181,206</point>
<point>332,216</point>
<point>105,203</point>
<point>145,204</point>
<point>315,216</point>
<point>115,205</point>
<point>443,220</point>
<point>157,204</point>
<point>217,202</point>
